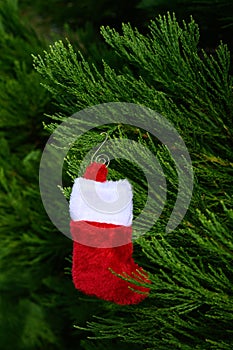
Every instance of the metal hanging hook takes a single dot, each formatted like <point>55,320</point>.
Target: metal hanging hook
<point>101,158</point>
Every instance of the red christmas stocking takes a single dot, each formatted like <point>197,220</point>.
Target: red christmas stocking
<point>101,219</point>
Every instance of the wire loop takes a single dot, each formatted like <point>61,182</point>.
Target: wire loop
<point>101,158</point>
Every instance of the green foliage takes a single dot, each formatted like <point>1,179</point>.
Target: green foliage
<point>38,303</point>
<point>190,268</point>
<point>170,72</point>
<point>22,98</point>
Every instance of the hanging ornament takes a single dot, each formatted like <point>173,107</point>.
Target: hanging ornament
<point>102,239</point>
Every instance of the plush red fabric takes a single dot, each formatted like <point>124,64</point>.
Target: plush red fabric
<point>97,172</point>
<point>100,235</point>
<point>93,260</point>
<point>92,275</point>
